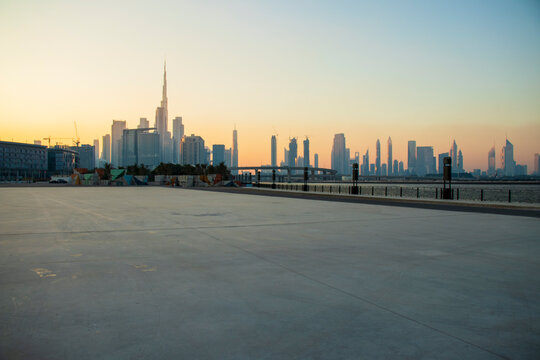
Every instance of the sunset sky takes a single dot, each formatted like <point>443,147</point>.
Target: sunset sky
<point>432,71</point>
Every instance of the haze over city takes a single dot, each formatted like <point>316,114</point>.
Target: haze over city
<point>424,71</point>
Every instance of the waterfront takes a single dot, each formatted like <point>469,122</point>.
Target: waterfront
<point>127,272</point>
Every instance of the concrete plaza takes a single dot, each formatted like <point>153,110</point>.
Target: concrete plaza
<point>163,273</point>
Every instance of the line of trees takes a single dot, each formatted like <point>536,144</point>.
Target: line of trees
<point>172,169</point>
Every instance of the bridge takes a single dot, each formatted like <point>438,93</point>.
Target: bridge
<point>315,172</point>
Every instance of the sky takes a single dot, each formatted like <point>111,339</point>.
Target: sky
<point>430,71</point>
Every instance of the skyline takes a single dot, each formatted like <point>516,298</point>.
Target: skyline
<point>305,77</point>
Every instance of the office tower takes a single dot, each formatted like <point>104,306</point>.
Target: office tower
<point>316,160</point>
<point>537,164</point>
<point>117,130</point>
<point>441,162</point>
<point>491,162</point>
<point>401,168</point>
<point>390,162</point>
<point>306,153</point>
<point>162,125</point>
<point>293,152</point>
<point>339,160</point>
<point>507,159</point>
<point>425,161</point>
<point>384,170</point>
<point>285,156</point>
<point>365,164</point>
<point>143,123</point>
<point>378,158</point>
<point>395,171</point>
<point>178,133</point>
<point>411,157</point>
<point>300,161</point>
<point>520,170</point>
<point>228,157</point>
<point>273,151</point>
<point>235,150</point>
<point>454,156</point>
<point>218,154</point>
<point>372,169</point>
<point>106,152</point>
<point>460,162</point>
<point>207,153</point>
<point>148,149</point>
<point>87,156</point>
<point>192,149</point>
<point>96,152</point>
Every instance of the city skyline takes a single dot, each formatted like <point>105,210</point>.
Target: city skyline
<point>485,92</point>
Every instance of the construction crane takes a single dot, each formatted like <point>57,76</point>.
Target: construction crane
<point>52,138</point>
<point>77,140</point>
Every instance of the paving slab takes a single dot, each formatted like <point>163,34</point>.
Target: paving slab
<point>154,272</point>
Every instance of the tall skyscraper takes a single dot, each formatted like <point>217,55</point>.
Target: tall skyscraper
<point>218,154</point>
<point>365,164</point>
<point>235,150</point>
<point>143,123</point>
<point>273,150</point>
<point>106,152</point>
<point>117,130</point>
<point>96,152</point>
<point>162,122</point>
<point>507,159</point>
<point>491,162</point>
<point>411,157</point>
<point>390,162</point>
<point>306,153</point>
<point>401,168</point>
<point>378,158</point>
<point>441,162</point>
<point>395,171</point>
<point>425,161</point>
<point>228,157</point>
<point>192,149</point>
<point>454,155</point>
<point>293,152</point>
<point>316,160</point>
<point>460,162</point>
<point>178,133</point>
<point>338,156</point>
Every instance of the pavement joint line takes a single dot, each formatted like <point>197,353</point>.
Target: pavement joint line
<point>362,299</point>
<point>226,226</point>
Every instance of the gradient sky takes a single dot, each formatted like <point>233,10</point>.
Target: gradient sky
<point>425,70</point>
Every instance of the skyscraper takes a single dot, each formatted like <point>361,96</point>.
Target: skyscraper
<point>454,156</point>
<point>228,156</point>
<point>365,164</point>
<point>378,158</point>
<point>316,160</point>
<point>441,162</point>
<point>218,154</point>
<point>507,159</point>
<point>460,162</point>
<point>339,160</point>
<point>178,133</point>
<point>491,162</point>
<point>273,150</point>
<point>425,161</point>
<point>143,123</point>
<point>390,162</point>
<point>117,130</point>
<point>106,151</point>
<point>96,152</point>
<point>293,152</point>
<point>395,171</point>
<point>235,150</point>
<point>162,122</point>
<point>306,152</point>
<point>411,157</point>
<point>192,149</point>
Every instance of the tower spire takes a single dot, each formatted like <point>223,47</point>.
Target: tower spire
<point>164,96</point>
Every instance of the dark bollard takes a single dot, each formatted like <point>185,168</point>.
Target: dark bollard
<point>452,194</point>
<point>339,189</point>
<point>400,192</point>
<point>437,194</point>
<point>273,178</point>
<point>417,193</point>
<point>386,191</point>
<point>509,195</point>
<point>457,194</point>
<point>372,190</point>
<point>481,194</point>
<point>305,187</point>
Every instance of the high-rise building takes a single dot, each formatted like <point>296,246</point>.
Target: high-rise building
<point>425,161</point>
<point>143,123</point>
<point>285,157</point>
<point>401,168</point>
<point>411,157</point>
<point>162,124</point>
<point>316,160</point>
<point>441,162</point>
<point>384,170</point>
<point>293,152</point>
<point>178,133</point>
<point>390,162</point>
<point>491,162</point>
<point>378,158</point>
<point>365,164</point>
<point>273,150</point>
<point>149,149</point>
<point>228,157</point>
<point>192,149</point>
<point>537,164</point>
<point>117,130</point>
<point>106,152</point>
<point>395,171</point>
<point>235,150</point>
<point>460,162</point>
<point>96,152</point>
<point>454,156</point>
<point>218,154</point>
<point>306,153</point>
<point>87,156</point>
<point>338,156</point>
<point>507,159</point>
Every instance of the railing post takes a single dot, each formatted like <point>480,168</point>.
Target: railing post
<point>437,193</point>
<point>372,190</point>
<point>401,191</point>
<point>509,195</point>
<point>386,191</point>
<point>417,193</point>
<point>481,194</point>
<point>457,197</point>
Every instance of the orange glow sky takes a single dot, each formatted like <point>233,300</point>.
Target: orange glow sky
<point>422,70</point>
